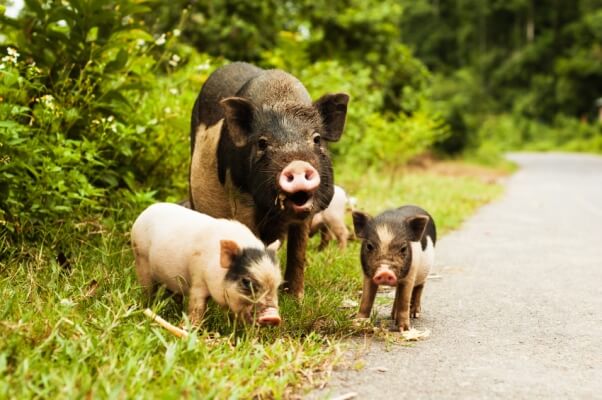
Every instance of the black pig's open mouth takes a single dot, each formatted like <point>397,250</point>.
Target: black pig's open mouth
<point>300,202</point>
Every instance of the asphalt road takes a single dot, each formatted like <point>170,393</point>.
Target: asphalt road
<point>517,313</point>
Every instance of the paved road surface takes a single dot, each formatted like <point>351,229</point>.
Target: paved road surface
<point>518,311</point>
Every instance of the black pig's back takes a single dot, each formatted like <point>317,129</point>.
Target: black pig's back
<point>224,82</point>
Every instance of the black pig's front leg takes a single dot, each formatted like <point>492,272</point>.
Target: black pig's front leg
<point>294,276</point>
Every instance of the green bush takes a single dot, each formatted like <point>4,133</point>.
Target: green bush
<point>71,87</point>
<point>95,98</point>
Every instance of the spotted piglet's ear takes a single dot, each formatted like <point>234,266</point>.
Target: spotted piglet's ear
<point>228,251</point>
<point>238,113</point>
<point>360,221</point>
<point>333,110</point>
<point>417,226</point>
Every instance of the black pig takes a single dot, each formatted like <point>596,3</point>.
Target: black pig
<point>259,155</point>
<point>398,249</point>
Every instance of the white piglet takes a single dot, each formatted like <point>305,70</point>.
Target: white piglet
<point>203,257</point>
<point>331,221</point>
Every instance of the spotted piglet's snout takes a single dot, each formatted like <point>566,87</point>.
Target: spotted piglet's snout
<point>385,276</point>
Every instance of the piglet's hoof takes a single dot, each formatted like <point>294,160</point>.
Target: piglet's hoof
<point>360,322</point>
<point>405,326</point>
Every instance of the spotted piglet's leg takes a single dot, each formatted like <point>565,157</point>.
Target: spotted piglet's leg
<point>402,305</point>
<point>394,308</point>
<point>368,295</point>
<point>416,296</point>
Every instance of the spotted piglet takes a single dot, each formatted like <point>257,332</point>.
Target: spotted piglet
<point>204,257</point>
<point>398,249</point>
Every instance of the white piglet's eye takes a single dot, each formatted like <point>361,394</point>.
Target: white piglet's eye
<point>316,138</point>
<point>246,283</point>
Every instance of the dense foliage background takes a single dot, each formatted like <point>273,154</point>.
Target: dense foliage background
<point>95,95</point>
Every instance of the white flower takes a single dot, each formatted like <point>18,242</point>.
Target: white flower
<point>175,59</point>
<point>173,91</point>
<point>167,110</point>
<point>204,66</point>
<point>48,101</point>
<point>12,56</point>
<point>160,40</point>
<point>177,32</point>
<point>140,42</point>
<point>12,52</point>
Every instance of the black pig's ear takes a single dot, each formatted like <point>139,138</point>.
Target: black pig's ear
<point>229,250</point>
<point>360,221</point>
<point>417,226</point>
<point>238,113</point>
<point>333,109</point>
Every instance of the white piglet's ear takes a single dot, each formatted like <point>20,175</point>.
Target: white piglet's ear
<point>417,227</point>
<point>228,251</point>
<point>274,246</point>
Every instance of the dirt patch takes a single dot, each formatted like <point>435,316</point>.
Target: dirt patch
<point>428,163</point>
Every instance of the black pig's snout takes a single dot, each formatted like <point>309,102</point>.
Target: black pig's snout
<point>299,176</point>
<point>298,182</point>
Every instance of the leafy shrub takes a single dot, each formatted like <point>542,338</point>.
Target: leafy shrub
<point>71,85</point>
<point>95,108</point>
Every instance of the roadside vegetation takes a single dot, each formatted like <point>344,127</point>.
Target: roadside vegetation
<point>76,329</point>
<point>95,100</point>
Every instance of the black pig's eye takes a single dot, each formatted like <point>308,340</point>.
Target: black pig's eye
<point>316,138</point>
<point>369,247</point>
<point>404,249</point>
<point>262,143</point>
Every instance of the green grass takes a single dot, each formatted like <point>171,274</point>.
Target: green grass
<point>80,332</point>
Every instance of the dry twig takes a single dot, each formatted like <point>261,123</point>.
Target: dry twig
<point>181,333</point>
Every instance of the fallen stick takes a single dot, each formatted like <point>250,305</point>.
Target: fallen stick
<point>346,396</point>
<point>181,333</point>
